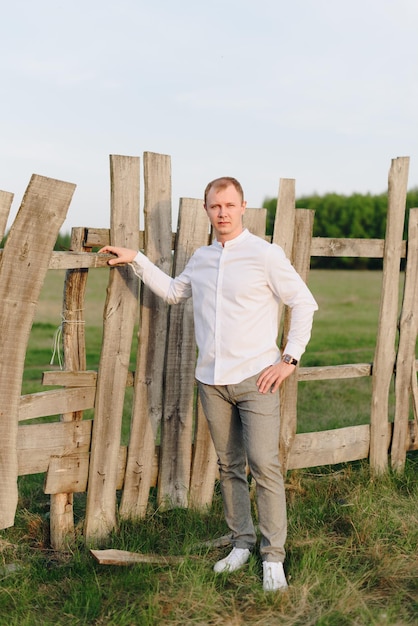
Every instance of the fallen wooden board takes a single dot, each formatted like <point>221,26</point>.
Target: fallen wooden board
<point>122,557</point>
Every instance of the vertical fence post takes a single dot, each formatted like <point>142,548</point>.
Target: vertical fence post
<point>74,347</point>
<point>301,256</point>
<point>23,267</point>
<point>119,319</point>
<point>384,359</point>
<point>405,361</point>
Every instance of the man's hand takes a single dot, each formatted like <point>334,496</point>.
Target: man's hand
<point>123,255</point>
<point>272,377</point>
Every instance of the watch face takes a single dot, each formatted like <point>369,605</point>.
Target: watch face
<point>287,358</point>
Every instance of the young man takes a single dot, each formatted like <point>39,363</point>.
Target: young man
<point>237,283</point>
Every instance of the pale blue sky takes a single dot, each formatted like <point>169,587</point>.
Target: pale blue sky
<point>325,92</point>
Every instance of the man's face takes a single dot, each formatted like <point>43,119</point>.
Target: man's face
<point>225,210</point>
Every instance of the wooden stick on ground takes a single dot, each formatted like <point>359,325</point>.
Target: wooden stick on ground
<point>122,557</point>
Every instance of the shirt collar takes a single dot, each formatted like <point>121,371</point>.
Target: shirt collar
<point>232,242</point>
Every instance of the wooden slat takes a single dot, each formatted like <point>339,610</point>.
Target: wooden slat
<point>334,372</point>
<point>384,359</point>
<point>329,447</point>
<point>78,260</point>
<point>255,221</point>
<point>405,361</point>
<point>204,463</point>
<point>23,267</point>
<point>56,401</point>
<point>148,391</point>
<point>176,438</point>
<point>67,474</point>
<point>6,199</point>
<point>344,247</point>
<point>36,443</point>
<point>120,314</point>
<point>69,378</point>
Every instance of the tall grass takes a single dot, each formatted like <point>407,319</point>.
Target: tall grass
<point>352,540</point>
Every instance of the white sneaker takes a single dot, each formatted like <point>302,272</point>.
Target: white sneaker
<point>235,559</point>
<point>274,578</point>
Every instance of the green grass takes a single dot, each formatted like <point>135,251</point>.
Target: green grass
<point>352,540</point>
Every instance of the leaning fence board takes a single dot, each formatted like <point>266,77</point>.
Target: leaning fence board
<point>176,427</point>
<point>6,199</point>
<point>405,361</point>
<point>122,557</point>
<point>119,319</point>
<point>147,404</point>
<point>23,267</point>
<point>384,358</point>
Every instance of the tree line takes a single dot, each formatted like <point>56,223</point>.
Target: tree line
<point>339,216</point>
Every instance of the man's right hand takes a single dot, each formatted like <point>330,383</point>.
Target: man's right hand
<point>123,255</point>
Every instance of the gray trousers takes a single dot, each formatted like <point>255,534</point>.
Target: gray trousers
<point>244,425</point>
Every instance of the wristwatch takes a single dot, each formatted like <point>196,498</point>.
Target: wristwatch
<point>289,359</point>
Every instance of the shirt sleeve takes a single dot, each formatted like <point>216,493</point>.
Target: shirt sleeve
<point>171,290</point>
<point>288,285</point>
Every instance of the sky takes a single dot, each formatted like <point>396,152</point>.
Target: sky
<point>321,91</point>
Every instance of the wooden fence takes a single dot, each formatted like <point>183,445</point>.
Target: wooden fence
<point>82,455</point>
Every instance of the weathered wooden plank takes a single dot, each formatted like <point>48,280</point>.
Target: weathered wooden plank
<point>122,557</point>
<point>284,222</point>
<point>120,314</point>
<point>6,199</point>
<point>289,388</point>
<point>77,260</point>
<point>333,372</point>
<point>23,266</point>
<point>255,221</point>
<point>405,361</point>
<point>69,378</point>
<point>66,475</point>
<point>204,463</point>
<point>344,247</point>
<point>384,359</point>
<point>56,401</point>
<point>329,447</point>
<point>148,391</point>
<point>176,439</point>
<point>36,443</point>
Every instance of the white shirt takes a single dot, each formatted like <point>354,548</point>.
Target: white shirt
<point>236,289</point>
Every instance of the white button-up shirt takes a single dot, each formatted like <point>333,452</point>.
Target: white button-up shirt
<point>236,289</point>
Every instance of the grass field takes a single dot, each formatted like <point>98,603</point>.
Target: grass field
<point>352,541</point>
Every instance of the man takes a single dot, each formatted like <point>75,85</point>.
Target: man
<point>237,283</point>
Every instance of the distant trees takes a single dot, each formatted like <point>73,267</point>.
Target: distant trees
<point>355,216</point>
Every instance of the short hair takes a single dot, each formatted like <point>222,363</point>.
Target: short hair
<point>222,183</point>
